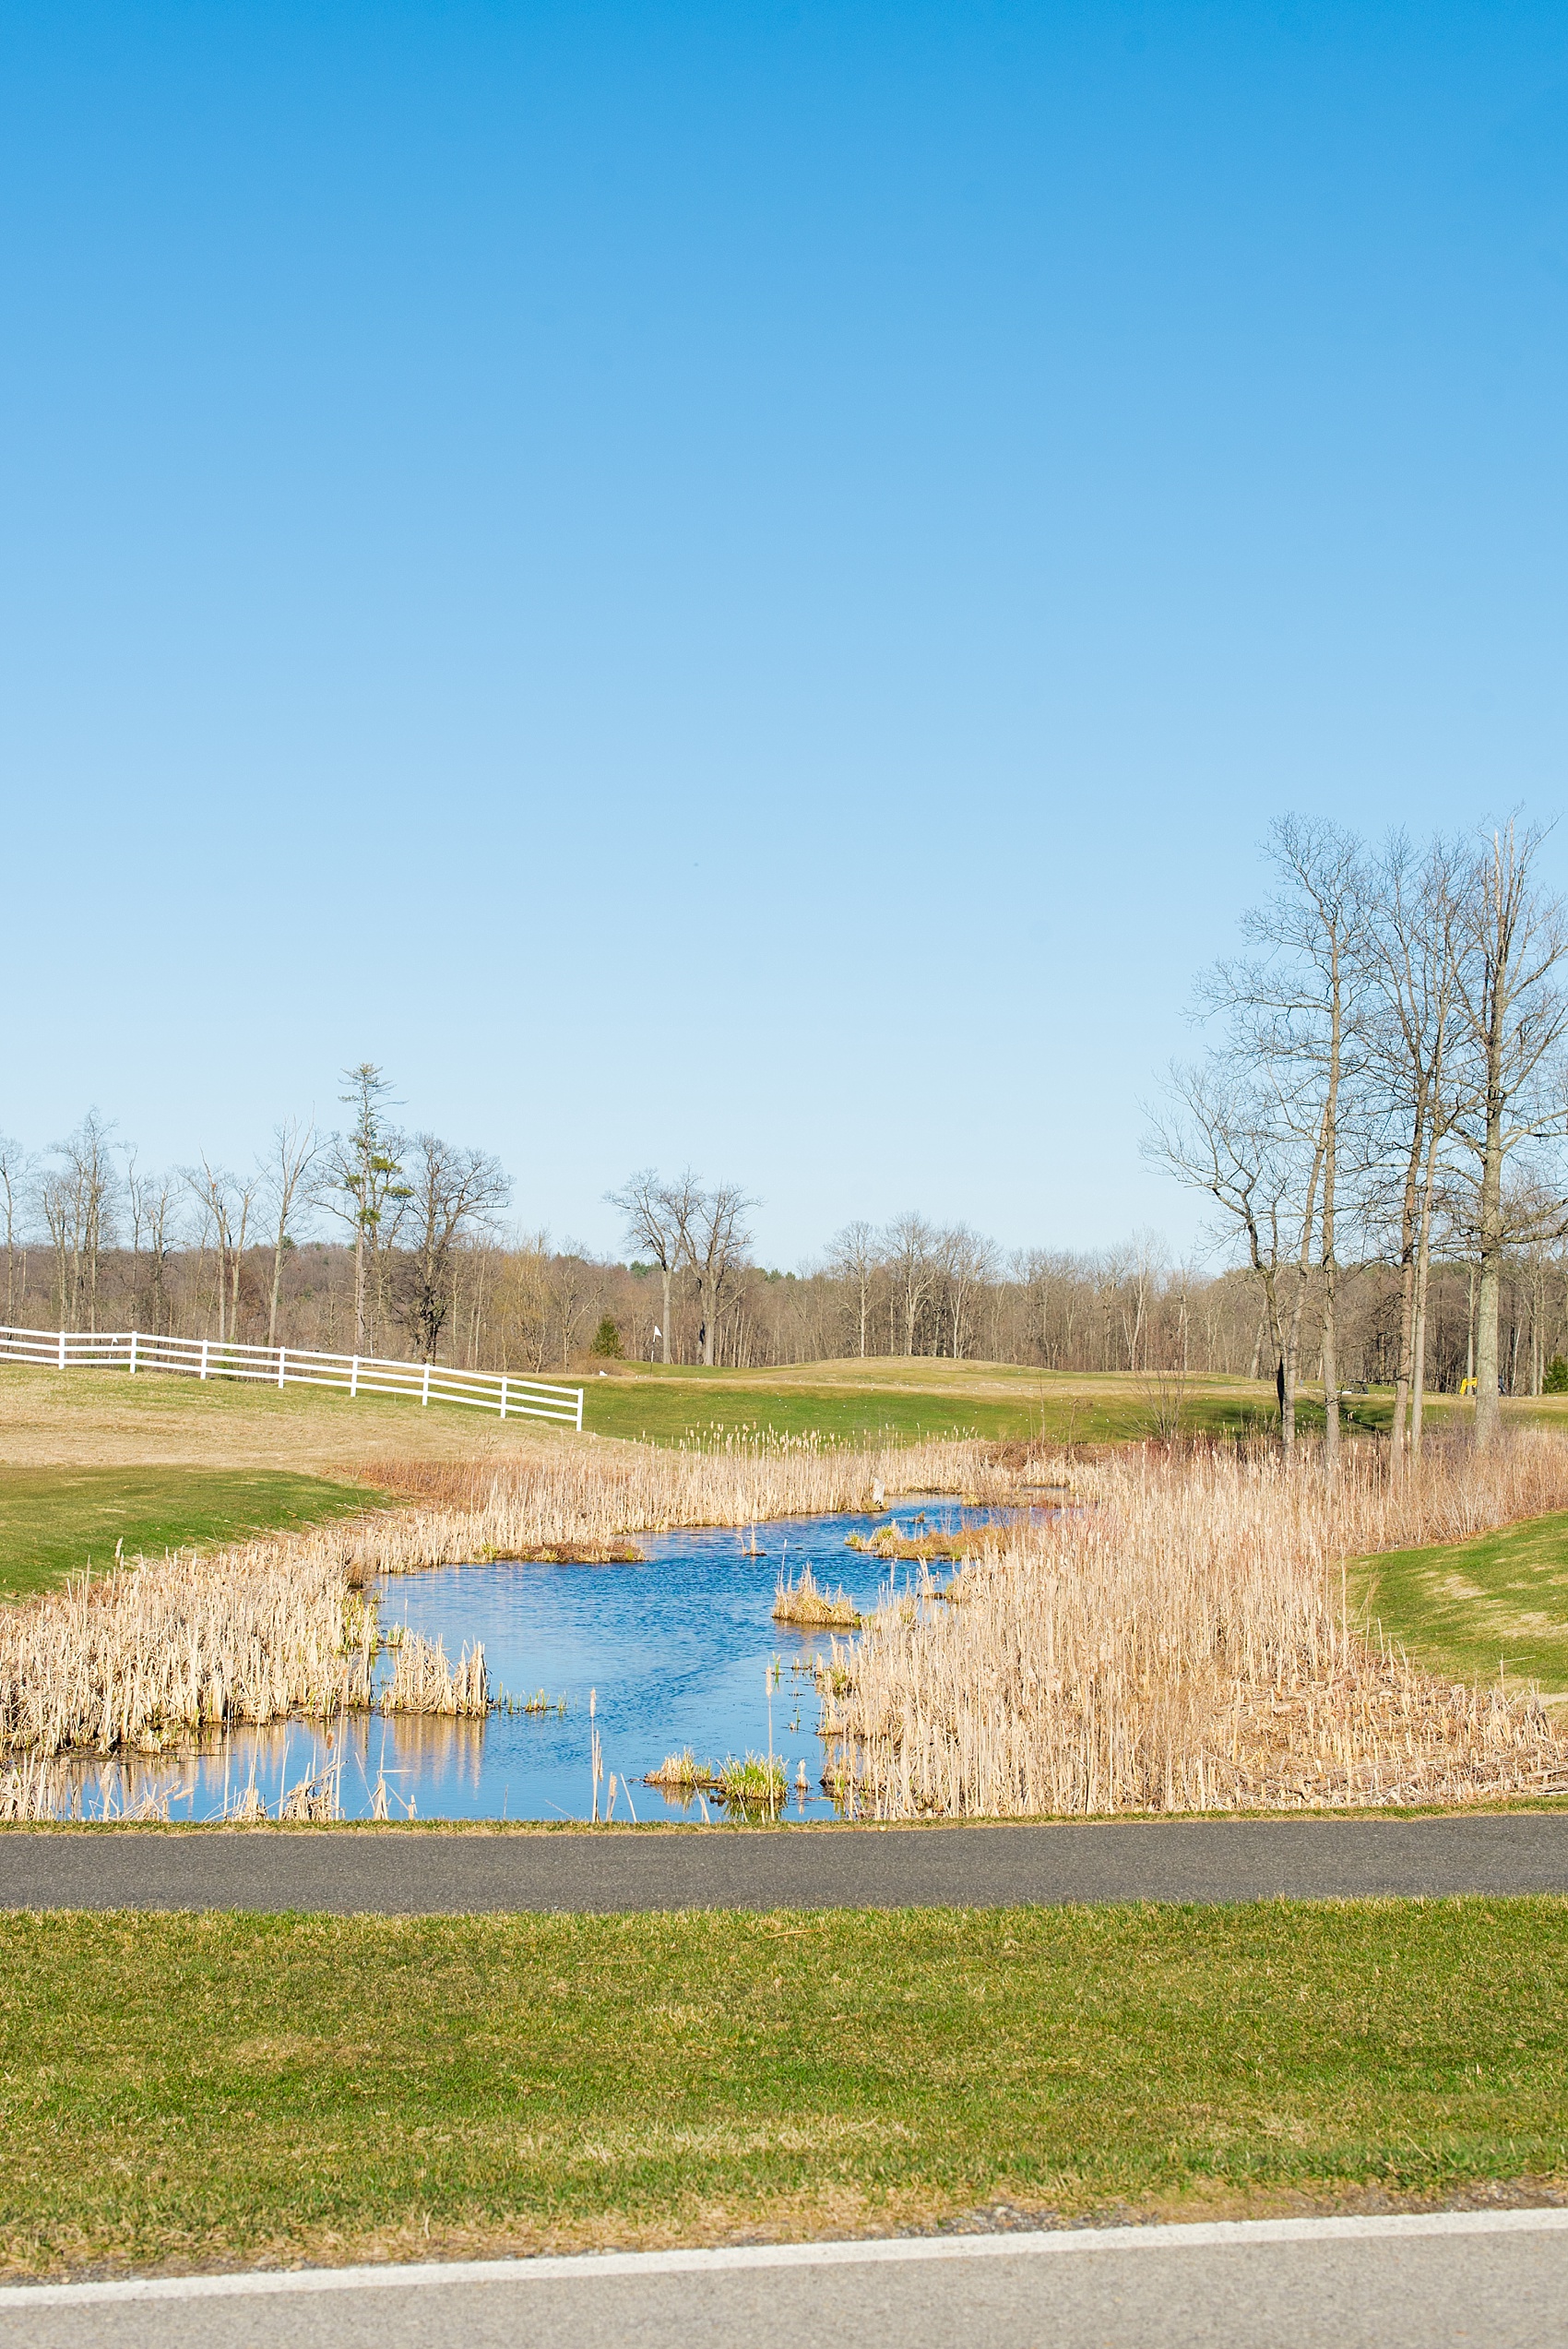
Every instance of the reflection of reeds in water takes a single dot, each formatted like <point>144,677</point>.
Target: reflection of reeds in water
<point>1180,1642</point>
<point>802,1600</point>
<point>423,1680</point>
<point>31,1787</point>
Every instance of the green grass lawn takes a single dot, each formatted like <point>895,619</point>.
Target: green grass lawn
<point>55,1520</point>
<point>189,2090</point>
<point>1465,1609</point>
<point>894,1402</point>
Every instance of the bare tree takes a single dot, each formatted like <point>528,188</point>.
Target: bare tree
<point>78,1199</point>
<point>908,1245</point>
<point>716,1239</point>
<point>227,1201</point>
<point>16,1168</point>
<point>152,1201</point>
<point>1515,1019</point>
<point>1293,1010</point>
<point>1413,946</point>
<point>287,1177</point>
<point>967,1260</point>
<point>853,1256</point>
<point>659,1218</point>
<point>450,1191</point>
<point>1222,1134</point>
<point>364,1188</point>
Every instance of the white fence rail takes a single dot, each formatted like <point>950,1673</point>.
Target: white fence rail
<point>133,1349</point>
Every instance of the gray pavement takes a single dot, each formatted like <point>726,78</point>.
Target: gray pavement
<point>431,1872</point>
<point>1500,2279</point>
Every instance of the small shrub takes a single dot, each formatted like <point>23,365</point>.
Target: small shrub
<point>606,1340</point>
<point>1556,1379</point>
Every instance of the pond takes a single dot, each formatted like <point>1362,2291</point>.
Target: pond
<point>679,1651</point>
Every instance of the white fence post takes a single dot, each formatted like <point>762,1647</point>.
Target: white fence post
<point>503,1395</point>
<point>204,1347</point>
<point>133,1354</point>
<point>579,1411</point>
<point>424,1390</point>
<point>283,1353</point>
<point>62,1348</point>
<point>354,1378</point>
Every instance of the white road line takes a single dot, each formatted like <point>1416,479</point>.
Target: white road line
<point>590,2267</point>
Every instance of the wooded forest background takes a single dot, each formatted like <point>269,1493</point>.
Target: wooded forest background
<point>93,1242</point>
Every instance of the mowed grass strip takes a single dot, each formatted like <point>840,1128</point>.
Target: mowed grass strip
<point>191,2089</point>
<point>55,1522</point>
<point>1470,1610</point>
<point>892,1403</point>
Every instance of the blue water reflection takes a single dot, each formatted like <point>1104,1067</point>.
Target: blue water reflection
<point>677,1651</point>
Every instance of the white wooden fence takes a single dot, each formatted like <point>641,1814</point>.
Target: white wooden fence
<point>133,1349</point>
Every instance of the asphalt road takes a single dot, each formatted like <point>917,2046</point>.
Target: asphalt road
<point>1498,2279</point>
<point>429,1872</point>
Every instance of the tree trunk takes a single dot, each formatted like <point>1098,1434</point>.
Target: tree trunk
<point>664,1328</point>
<point>1400,1441</point>
<point>1489,1287</point>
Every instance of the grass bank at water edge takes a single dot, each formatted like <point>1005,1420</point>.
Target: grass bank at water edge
<point>55,1522</point>
<point>191,2091</point>
<point>1494,1606</point>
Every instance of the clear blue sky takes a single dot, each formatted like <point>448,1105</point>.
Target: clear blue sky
<point>741,583</point>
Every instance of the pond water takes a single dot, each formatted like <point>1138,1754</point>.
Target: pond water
<point>679,1651</point>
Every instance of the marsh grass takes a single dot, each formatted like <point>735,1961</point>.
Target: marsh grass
<point>163,1649</point>
<point>802,1600</point>
<point>954,1542</point>
<point>1181,1640</point>
<point>423,1680</point>
<point>757,1783</point>
<point>681,1773</point>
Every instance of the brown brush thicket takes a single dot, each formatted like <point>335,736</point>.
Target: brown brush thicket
<point>1177,1639</point>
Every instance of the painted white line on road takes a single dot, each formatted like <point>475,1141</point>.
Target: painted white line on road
<point>587,2267</point>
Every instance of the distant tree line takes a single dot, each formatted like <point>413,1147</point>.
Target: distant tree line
<point>1379,1121</point>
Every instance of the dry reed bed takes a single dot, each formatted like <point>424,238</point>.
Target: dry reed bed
<point>164,1649</point>
<point>1180,1643</point>
<point>560,1495</point>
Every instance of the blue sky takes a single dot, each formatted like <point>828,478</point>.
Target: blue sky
<point>741,584</point>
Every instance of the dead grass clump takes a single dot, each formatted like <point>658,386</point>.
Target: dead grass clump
<point>803,1601</point>
<point>958,1543</point>
<point>680,1773</point>
<point>1181,1643</point>
<point>423,1680</point>
<point>568,1553</point>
